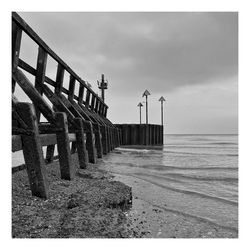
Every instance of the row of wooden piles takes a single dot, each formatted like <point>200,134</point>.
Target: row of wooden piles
<point>75,122</point>
<point>140,134</point>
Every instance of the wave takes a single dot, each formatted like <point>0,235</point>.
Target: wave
<point>189,153</point>
<point>199,218</point>
<point>165,167</point>
<point>168,167</point>
<point>223,143</point>
<point>203,178</point>
<point>188,192</point>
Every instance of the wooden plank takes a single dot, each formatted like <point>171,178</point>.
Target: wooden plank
<point>31,33</point>
<point>40,69</point>
<point>72,82</point>
<point>59,79</point>
<point>40,74</point>
<point>96,105</point>
<point>23,65</point>
<point>87,98</point>
<point>98,140</point>
<point>93,99</point>
<point>36,98</point>
<point>67,169</point>
<point>80,94</point>
<point>48,128</point>
<point>105,111</point>
<point>50,139</point>
<point>16,143</point>
<point>16,44</point>
<point>32,151</point>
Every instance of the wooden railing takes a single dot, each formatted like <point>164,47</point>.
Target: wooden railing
<point>69,118</point>
<point>19,26</point>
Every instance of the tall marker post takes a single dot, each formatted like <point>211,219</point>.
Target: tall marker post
<point>162,99</point>
<point>146,93</point>
<point>140,105</point>
<point>147,131</point>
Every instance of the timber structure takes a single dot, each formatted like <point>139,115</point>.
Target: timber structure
<point>76,122</point>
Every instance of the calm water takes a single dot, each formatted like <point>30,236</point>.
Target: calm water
<point>195,175</point>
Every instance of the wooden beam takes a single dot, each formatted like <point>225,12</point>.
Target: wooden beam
<point>80,94</point>
<point>92,106</point>
<point>96,105</point>
<point>59,79</point>
<point>72,82</point>
<point>80,144</point>
<point>32,151</point>
<point>87,98</point>
<point>16,44</point>
<point>50,139</point>
<point>40,74</point>
<point>66,167</point>
<point>33,94</point>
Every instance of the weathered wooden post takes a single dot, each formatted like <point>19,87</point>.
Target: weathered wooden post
<point>146,93</point>
<point>66,167</point>
<point>32,151</point>
<point>81,144</point>
<point>90,143</point>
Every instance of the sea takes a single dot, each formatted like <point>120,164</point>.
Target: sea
<point>192,175</point>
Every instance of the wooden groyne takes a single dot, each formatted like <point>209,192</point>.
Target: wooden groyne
<point>141,134</point>
<point>76,122</point>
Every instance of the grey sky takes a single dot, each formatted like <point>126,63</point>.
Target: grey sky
<point>189,58</point>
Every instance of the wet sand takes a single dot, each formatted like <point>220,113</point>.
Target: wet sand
<point>154,221</point>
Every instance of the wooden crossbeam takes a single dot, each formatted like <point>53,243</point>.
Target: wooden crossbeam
<point>34,95</point>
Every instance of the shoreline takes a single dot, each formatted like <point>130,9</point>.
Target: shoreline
<point>160,221</point>
<point>99,203</point>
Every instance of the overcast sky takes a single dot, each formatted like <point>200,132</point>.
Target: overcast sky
<point>189,58</point>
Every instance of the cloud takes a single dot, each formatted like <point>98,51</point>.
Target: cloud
<point>161,50</point>
<point>164,52</point>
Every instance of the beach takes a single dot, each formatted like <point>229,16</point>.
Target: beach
<point>137,193</point>
<point>90,206</point>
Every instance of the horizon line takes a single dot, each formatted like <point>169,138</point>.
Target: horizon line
<point>202,134</point>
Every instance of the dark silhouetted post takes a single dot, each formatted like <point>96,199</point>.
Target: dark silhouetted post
<point>146,93</point>
<point>162,99</point>
<point>140,105</point>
